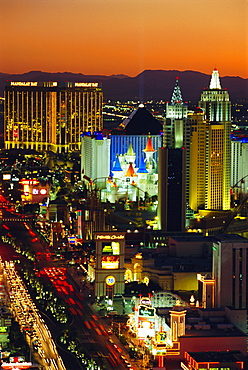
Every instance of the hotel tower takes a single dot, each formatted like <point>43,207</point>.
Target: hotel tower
<point>51,115</point>
<point>217,108</point>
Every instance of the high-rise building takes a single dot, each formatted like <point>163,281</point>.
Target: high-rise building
<point>177,128</point>
<point>95,158</point>
<point>51,115</point>
<point>217,107</point>
<point>171,189</point>
<point>175,134</point>
<point>198,156</point>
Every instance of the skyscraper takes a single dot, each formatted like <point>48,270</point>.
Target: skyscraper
<point>217,107</point>
<point>198,155</point>
<point>171,189</point>
<point>51,115</point>
<point>177,128</point>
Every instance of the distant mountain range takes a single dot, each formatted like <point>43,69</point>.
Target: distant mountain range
<point>148,85</point>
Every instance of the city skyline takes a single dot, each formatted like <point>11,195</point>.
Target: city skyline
<point>124,37</point>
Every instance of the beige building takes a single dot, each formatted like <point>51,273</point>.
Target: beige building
<point>217,107</point>
<point>198,153</point>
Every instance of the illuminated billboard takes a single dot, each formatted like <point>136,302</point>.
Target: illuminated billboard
<point>3,329</point>
<point>6,176</point>
<point>145,311</point>
<point>146,327</point>
<point>111,248</point>
<point>110,262</point>
<point>161,337</point>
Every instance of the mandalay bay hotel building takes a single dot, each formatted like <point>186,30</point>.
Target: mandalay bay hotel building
<point>51,115</point>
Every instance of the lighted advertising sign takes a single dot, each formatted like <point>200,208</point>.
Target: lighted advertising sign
<point>43,191</point>
<point>36,191</point>
<point>110,237</point>
<point>145,301</point>
<point>16,365</point>
<point>86,84</point>
<point>111,248</point>
<point>146,327</point>
<point>72,239</point>
<point>17,359</point>
<point>29,182</point>
<point>22,83</point>
<point>110,280</point>
<point>161,337</point>
<point>6,176</point>
<point>145,311</point>
<point>3,329</point>
<point>110,262</point>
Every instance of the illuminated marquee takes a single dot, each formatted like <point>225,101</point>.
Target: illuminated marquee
<point>146,311</point>
<point>20,83</point>
<point>110,262</point>
<point>6,176</point>
<point>29,182</point>
<point>110,237</point>
<point>111,248</point>
<point>86,84</point>
<point>16,365</point>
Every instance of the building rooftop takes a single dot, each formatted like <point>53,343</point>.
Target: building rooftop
<point>230,238</point>
<point>193,237</point>
<point>216,356</point>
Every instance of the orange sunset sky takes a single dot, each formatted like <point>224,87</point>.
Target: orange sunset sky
<point>107,37</point>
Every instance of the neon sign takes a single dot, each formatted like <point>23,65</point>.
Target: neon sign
<point>86,84</point>
<point>20,83</point>
<point>29,182</point>
<point>16,365</point>
<point>111,237</point>
<point>146,311</point>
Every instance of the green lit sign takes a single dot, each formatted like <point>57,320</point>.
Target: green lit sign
<point>146,311</point>
<point>3,329</point>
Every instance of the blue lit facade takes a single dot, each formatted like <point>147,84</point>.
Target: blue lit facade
<point>120,143</point>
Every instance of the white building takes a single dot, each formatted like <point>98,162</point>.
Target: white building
<point>95,158</point>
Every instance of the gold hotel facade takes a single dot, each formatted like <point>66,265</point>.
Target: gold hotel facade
<point>210,152</point>
<point>51,115</point>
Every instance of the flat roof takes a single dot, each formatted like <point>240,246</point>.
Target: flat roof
<point>216,356</point>
<point>230,237</point>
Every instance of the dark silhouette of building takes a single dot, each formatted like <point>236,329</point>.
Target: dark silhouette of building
<point>171,189</point>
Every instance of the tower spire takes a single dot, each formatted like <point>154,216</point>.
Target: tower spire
<point>215,80</point>
<point>176,95</point>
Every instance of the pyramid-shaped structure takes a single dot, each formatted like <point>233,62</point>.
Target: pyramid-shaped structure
<point>141,122</point>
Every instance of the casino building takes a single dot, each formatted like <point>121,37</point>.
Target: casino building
<point>51,115</point>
